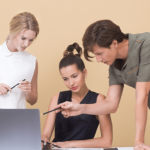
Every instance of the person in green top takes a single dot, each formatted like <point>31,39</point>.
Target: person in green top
<point>128,56</point>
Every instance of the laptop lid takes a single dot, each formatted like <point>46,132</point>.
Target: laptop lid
<point>20,129</point>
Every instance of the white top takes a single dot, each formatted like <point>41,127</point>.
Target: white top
<point>15,66</point>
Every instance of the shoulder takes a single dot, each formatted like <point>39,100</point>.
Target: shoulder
<point>36,63</point>
<point>1,46</point>
<point>65,92</point>
<point>94,95</point>
<point>56,96</point>
<point>53,102</point>
<point>143,36</point>
<point>141,44</point>
<point>100,97</point>
<point>143,39</point>
<point>63,95</point>
<point>54,99</point>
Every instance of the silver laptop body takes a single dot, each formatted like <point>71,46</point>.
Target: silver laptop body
<point>20,129</point>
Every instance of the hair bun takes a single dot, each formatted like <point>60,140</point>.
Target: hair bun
<point>70,49</point>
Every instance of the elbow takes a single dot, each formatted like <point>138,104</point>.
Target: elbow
<point>107,143</point>
<point>114,108</point>
<point>32,102</point>
<point>108,146</point>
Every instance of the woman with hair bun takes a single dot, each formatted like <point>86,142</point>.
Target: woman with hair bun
<point>16,64</point>
<point>76,131</point>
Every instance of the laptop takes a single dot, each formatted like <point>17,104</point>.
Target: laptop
<point>20,129</point>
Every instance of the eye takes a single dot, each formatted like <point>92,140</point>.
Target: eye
<point>74,76</point>
<point>99,53</point>
<point>23,38</point>
<point>31,40</point>
<point>65,79</point>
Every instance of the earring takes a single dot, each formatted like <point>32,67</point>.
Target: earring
<point>85,76</point>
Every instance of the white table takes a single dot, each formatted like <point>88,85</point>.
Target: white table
<point>119,148</point>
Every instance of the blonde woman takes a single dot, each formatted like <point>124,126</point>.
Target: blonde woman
<point>16,64</point>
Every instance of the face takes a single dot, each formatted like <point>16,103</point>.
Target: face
<point>24,39</point>
<point>73,78</point>
<point>105,55</point>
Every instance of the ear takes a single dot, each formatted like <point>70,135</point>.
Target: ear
<point>114,44</point>
<point>85,73</point>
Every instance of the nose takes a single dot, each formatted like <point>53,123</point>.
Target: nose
<point>98,58</point>
<point>26,43</point>
<point>71,82</point>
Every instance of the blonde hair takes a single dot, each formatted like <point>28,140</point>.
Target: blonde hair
<point>23,21</point>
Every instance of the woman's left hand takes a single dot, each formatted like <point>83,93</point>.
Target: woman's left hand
<point>25,86</point>
<point>66,144</point>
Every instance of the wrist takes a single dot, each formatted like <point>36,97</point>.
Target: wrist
<point>72,144</point>
<point>27,93</point>
<point>44,137</point>
<point>83,108</point>
<point>139,137</point>
<point>137,142</point>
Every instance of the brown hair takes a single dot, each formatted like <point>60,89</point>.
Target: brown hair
<point>102,33</point>
<point>23,21</point>
<point>70,58</point>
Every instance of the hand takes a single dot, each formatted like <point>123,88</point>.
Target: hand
<point>141,146</point>
<point>70,109</point>
<point>25,86</point>
<point>66,144</point>
<point>4,88</point>
<point>44,140</point>
<point>145,147</point>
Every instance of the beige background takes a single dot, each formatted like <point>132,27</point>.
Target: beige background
<point>63,22</point>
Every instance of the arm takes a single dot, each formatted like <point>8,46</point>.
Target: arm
<point>50,120</point>
<point>32,96</point>
<point>30,89</point>
<point>142,92</point>
<point>104,141</point>
<point>109,105</point>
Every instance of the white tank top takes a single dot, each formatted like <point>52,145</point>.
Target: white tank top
<point>15,66</point>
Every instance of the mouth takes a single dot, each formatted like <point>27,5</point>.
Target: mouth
<point>74,88</point>
<point>105,62</point>
<point>23,47</point>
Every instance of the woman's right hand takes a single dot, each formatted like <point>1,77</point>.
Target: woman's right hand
<point>4,88</point>
<point>70,109</point>
<point>141,146</point>
<point>44,140</point>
